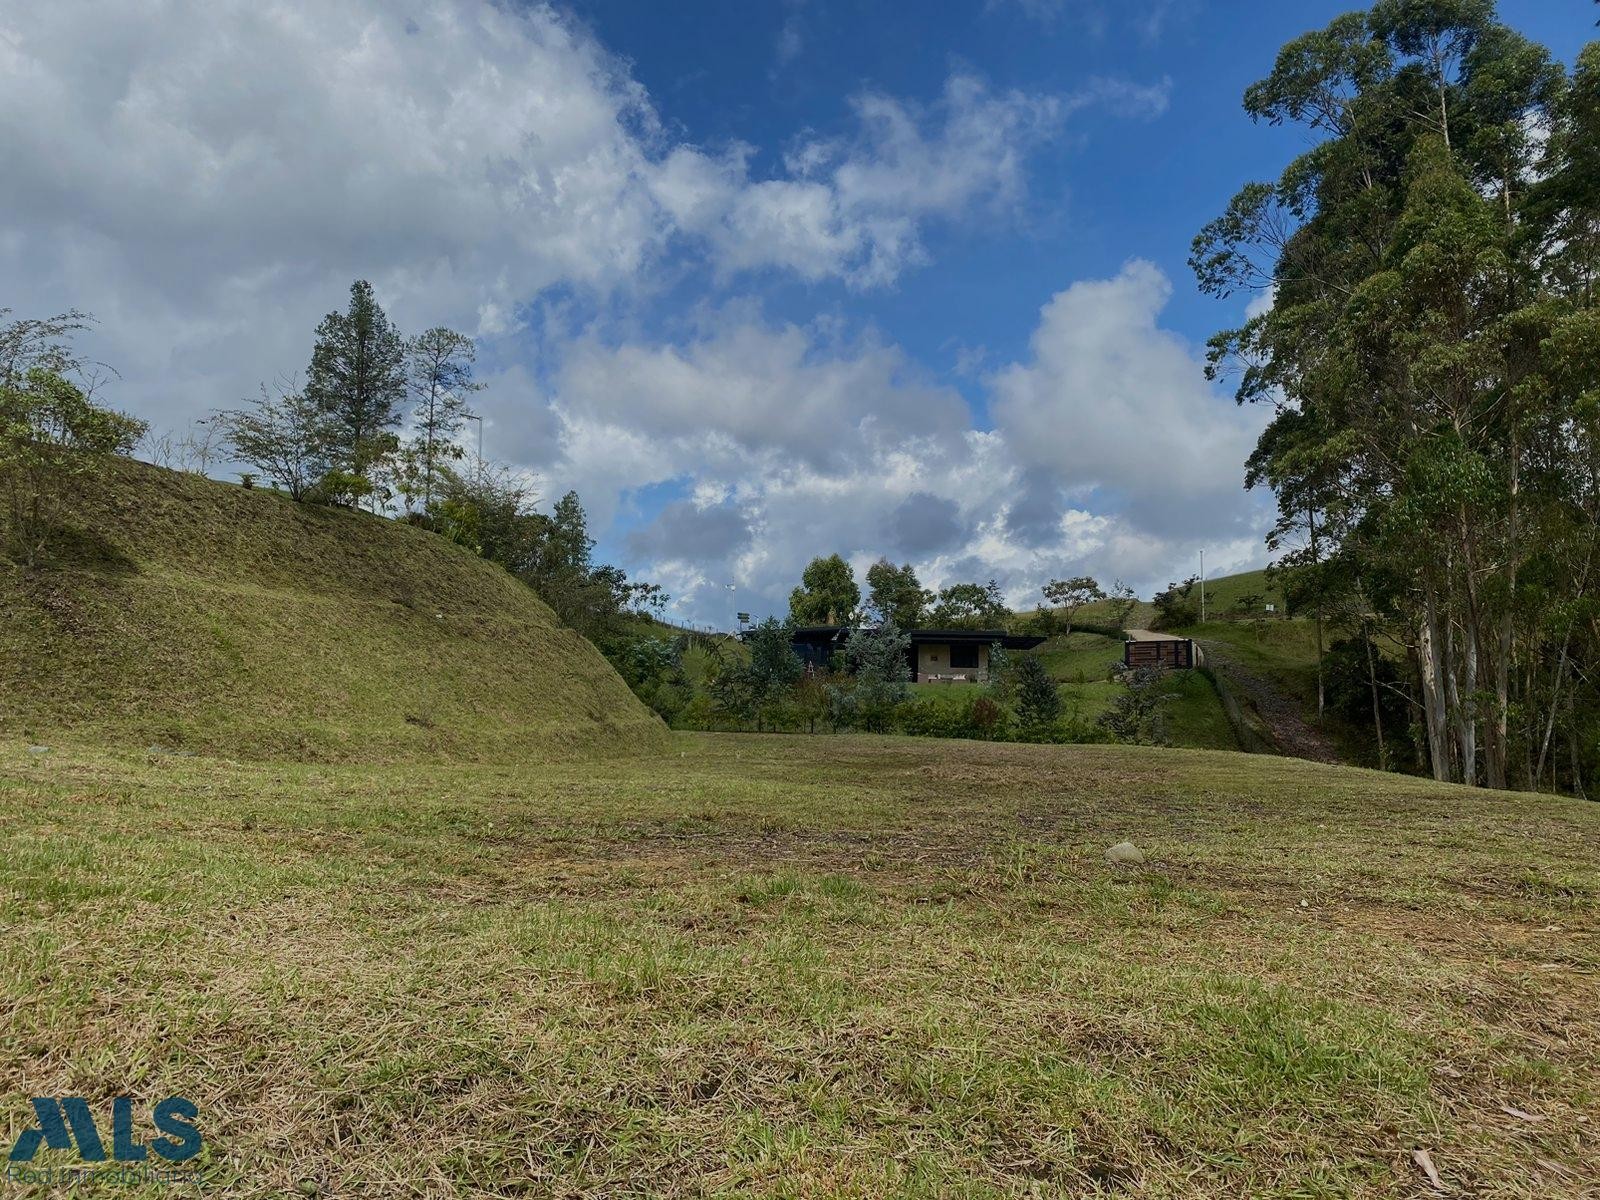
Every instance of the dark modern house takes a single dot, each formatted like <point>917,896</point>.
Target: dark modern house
<point>936,655</point>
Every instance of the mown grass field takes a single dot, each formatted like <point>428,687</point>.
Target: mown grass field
<point>795,967</point>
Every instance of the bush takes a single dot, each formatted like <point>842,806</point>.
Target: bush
<point>972,716</point>
<point>1135,715</point>
<point>54,441</point>
<point>1038,698</point>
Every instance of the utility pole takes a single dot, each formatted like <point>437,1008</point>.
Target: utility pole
<point>479,420</point>
<point>1202,587</point>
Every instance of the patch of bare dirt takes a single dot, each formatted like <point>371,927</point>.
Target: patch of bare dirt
<point>1291,733</point>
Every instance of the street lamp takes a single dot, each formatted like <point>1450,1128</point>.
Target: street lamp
<point>479,420</point>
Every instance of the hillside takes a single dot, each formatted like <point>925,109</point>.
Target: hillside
<point>198,616</point>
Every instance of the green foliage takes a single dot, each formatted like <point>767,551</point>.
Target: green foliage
<point>1066,596</point>
<point>1431,255</point>
<point>827,594</point>
<point>1002,672</point>
<point>1038,697</point>
<point>492,511</point>
<point>895,594</point>
<point>1135,716</point>
<point>973,715</point>
<point>1355,671</point>
<point>286,436</point>
<point>1177,606</point>
<point>969,606</point>
<point>877,672</point>
<point>653,668</point>
<point>358,376</point>
<point>439,365</point>
<point>54,440</point>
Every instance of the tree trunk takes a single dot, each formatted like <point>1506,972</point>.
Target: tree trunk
<point>1433,691</point>
<point>1377,710</point>
<point>1464,679</point>
<point>1311,517</point>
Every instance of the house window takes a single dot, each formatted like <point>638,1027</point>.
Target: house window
<point>964,656</point>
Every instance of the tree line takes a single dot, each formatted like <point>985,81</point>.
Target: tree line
<point>377,423</point>
<point>828,594</point>
<point>1432,358</point>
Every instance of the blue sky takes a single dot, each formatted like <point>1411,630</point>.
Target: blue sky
<point>760,281</point>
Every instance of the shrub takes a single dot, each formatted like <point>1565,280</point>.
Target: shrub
<point>1135,715</point>
<point>972,715</point>
<point>53,440</point>
<point>1038,698</point>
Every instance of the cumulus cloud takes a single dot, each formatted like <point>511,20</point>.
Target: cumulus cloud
<point>853,207</point>
<point>1109,453</point>
<point>208,175</point>
<point>1112,404</point>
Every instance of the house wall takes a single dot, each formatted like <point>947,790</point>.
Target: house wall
<point>933,658</point>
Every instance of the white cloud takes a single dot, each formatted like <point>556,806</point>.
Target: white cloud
<point>208,176</point>
<point>1110,454</point>
<point>854,207</point>
<point>1111,402</point>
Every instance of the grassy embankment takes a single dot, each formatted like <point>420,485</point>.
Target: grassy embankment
<point>894,967</point>
<point>200,616</point>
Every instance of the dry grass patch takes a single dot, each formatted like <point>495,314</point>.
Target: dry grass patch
<point>753,967</point>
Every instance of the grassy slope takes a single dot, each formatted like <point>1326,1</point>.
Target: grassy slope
<point>1194,716</point>
<point>199,615</point>
<point>893,967</point>
<point>1223,592</point>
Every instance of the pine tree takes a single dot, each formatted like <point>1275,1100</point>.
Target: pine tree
<point>358,377</point>
<point>1038,699</point>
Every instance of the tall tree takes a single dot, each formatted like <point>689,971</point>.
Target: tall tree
<point>439,364</point>
<point>827,595</point>
<point>358,376</point>
<point>970,606</point>
<point>895,594</point>
<point>1425,257</point>
<point>1067,596</point>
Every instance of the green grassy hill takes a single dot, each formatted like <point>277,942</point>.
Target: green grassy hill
<point>193,615</point>
<point>1222,594</point>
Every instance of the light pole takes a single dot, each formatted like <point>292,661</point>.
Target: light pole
<point>479,420</point>
<point>1202,587</point>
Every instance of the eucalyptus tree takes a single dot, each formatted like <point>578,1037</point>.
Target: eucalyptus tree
<point>1427,259</point>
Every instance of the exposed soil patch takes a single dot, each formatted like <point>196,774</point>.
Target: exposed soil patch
<point>1291,733</point>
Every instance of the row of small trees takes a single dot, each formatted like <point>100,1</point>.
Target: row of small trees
<point>829,595</point>
<point>335,439</point>
<point>867,688</point>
